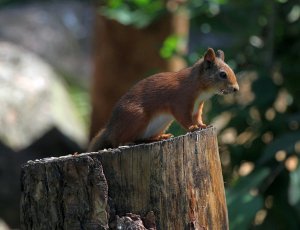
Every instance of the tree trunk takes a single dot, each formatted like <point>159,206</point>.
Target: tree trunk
<point>178,180</point>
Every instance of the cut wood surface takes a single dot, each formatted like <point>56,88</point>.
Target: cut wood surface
<point>179,180</point>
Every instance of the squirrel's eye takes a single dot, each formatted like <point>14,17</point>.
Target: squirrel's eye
<point>223,75</point>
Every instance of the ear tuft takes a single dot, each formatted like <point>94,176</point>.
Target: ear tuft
<point>220,54</point>
<point>210,55</point>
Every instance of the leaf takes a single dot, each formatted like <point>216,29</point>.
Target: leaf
<point>262,85</point>
<point>253,180</point>
<point>242,205</point>
<point>138,13</point>
<point>114,3</point>
<point>242,211</point>
<point>219,1</point>
<point>169,46</point>
<point>122,15</point>
<point>141,2</point>
<point>293,190</point>
<point>286,142</point>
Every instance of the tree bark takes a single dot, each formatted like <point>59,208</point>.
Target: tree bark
<point>178,180</point>
<point>64,193</point>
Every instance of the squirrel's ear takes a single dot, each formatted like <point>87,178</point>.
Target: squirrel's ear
<point>210,55</point>
<point>220,54</point>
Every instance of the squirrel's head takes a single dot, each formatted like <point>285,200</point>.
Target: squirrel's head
<point>218,75</point>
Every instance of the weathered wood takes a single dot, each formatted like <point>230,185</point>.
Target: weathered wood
<point>179,179</point>
<point>64,193</point>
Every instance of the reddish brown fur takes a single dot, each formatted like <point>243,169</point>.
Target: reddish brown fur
<point>172,93</point>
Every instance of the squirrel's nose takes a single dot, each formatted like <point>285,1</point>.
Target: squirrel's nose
<point>236,88</point>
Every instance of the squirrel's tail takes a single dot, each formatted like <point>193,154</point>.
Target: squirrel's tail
<point>99,142</point>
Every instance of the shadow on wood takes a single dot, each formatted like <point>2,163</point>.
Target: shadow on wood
<point>179,179</point>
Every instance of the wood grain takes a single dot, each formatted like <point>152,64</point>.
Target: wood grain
<point>64,193</point>
<point>179,180</point>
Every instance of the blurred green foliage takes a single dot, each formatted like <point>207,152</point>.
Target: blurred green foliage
<point>258,136</point>
<point>169,46</point>
<point>81,99</point>
<point>261,139</point>
<point>138,13</point>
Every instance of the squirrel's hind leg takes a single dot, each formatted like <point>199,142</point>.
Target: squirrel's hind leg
<point>160,137</point>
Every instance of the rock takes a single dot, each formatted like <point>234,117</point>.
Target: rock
<point>3,225</point>
<point>52,143</point>
<point>33,100</point>
<point>53,29</point>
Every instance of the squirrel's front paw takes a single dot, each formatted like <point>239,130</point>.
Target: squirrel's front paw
<point>202,126</point>
<point>166,136</point>
<point>193,128</point>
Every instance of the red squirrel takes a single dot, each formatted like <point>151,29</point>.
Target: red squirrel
<point>147,110</point>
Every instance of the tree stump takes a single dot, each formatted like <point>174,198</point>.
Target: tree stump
<point>63,193</point>
<point>179,180</point>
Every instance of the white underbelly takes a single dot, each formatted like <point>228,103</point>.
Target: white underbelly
<point>201,98</point>
<point>157,124</point>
